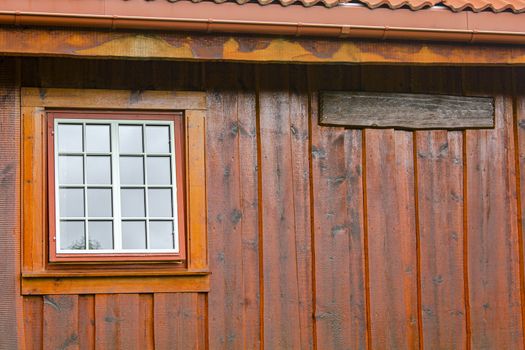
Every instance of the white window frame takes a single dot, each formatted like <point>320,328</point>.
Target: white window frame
<point>116,186</point>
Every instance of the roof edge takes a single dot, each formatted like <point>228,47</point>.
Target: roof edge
<point>434,24</point>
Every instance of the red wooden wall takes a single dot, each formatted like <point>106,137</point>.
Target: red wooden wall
<point>324,237</point>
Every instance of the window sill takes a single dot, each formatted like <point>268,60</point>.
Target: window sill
<point>96,282</point>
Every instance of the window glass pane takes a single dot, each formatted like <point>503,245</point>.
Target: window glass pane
<point>132,202</point>
<point>134,234</point>
<point>70,137</point>
<point>70,170</point>
<point>131,171</point>
<point>71,202</point>
<point>159,170</point>
<point>97,138</point>
<point>130,138</point>
<point>161,234</point>
<point>157,139</point>
<point>159,202</point>
<point>100,234</point>
<point>98,170</point>
<point>72,235</point>
<point>99,202</point>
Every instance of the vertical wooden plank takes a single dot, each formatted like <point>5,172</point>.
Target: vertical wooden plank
<point>128,322</point>
<point>440,207</point>
<point>439,159</point>
<point>493,244</point>
<point>338,222</point>
<point>60,322</point>
<point>280,274</point>
<point>300,158</point>
<point>196,179</point>
<point>232,198</point>
<point>33,322</point>
<point>35,186</point>
<point>391,239</point>
<point>519,139</point>
<point>86,322</point>
<point>391,223</point>
<point>146,326</point>
<point>11,305</point>
<point>178,323</point>
<point>249,196</point>
<point>106,320</point>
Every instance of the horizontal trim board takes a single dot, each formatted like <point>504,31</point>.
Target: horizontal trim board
<point>115,284</point>
<point>108,99</point>
<point>199,47</point>
<point>405,111</point>
<point>111,273</point>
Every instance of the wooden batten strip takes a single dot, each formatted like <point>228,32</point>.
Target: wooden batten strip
<point>114,285</point>
<point>110,99</point>
<point>405,111</point>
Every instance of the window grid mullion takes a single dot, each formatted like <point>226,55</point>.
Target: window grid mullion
<point>115,181</point>
<point>84,159</point>
<point>146,204</point>
<point>174,198</point>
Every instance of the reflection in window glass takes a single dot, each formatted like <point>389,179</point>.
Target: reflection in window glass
<point>100,235</point>
<point>72,235</point>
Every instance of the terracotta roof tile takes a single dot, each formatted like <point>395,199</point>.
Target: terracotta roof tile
<point>516,6</point>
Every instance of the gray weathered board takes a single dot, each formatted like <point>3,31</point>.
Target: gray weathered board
<point>405,111</point>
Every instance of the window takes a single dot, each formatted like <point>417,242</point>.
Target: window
<point>156,243</point>
<point>117,181</point>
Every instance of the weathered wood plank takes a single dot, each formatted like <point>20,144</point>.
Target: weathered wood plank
<point>280,273</point>
<point>33,322</point>
<point>405,111</point>
<point>60,322</point>
<point>86,322</point>
<point>300,157</point>
<point>129,327</point>
<point>106,321</point>
<point>11,304</point>
<point>232,192</point>
<point>390,223</point>
<point>391,239</point>
<point>178,321</point>
<point>440,175</point>
<point>440,211</point>
<point>492,225</point>
<point>146,323</point>
<point>337,189</point>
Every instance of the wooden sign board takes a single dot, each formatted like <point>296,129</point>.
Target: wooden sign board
<point>405,111</point>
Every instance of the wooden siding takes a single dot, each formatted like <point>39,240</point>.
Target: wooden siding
<point>324,237</point>
<point>10,303</point>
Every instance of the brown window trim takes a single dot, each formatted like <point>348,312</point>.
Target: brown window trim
<point>41,276</point>
<point>178,119</point>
